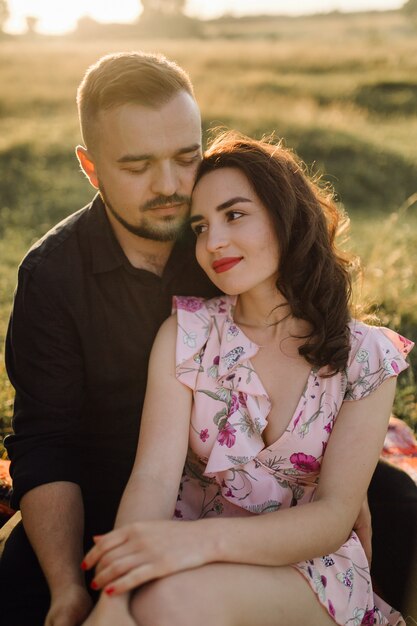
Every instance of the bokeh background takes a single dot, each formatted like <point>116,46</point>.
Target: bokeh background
<point>338,84</point>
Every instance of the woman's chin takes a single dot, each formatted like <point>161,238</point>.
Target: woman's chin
<point>228,290</point>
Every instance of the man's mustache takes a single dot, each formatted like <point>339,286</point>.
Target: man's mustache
<point>162,201</point>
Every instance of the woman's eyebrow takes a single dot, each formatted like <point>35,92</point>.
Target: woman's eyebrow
<point>221,207</point>
<point>231,202</point>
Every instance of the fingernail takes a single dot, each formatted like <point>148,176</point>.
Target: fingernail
<point>110,590</point>
<point>94,585</point>
<point>84,565</point>
<point>95,537</point>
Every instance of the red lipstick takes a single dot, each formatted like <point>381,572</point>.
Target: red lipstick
<point>225,264</point>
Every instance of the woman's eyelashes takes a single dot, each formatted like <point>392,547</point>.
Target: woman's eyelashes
<point>230,216</point>
<point>233,215</point>
<point>198,228</point>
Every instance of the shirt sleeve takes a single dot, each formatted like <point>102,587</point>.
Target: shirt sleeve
<point>45,366</point>
<point>377,354</point>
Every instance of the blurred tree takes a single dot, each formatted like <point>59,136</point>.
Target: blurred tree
<point>410,7</point>
<point>166,18</point>
<point>31,22</point>
<point>4,13</point>
<point>163,7</point>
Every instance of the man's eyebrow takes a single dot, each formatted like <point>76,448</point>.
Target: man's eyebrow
<point>193,148</point>
<point>220,207</point>
<point>131,158</point>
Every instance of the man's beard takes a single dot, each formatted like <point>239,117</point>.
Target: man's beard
<point>170,226</point>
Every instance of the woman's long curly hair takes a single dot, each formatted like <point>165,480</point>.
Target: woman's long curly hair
<point>313,276</point>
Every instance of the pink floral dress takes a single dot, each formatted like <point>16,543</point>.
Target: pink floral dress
<point>229,470</point>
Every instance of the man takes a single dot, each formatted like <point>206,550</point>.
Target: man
<point>91,297</point>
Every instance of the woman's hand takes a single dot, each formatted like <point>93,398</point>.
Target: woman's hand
<point>137,553</point>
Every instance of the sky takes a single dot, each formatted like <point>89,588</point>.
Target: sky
<point>60,17</point>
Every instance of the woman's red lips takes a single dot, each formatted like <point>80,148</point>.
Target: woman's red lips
<point>222,265</point>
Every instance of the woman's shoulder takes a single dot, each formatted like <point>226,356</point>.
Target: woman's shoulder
<point>195,320</point>
<point>377,353</point>
<point>374,339</point>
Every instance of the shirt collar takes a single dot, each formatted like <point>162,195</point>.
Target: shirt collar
<point>106,253</point>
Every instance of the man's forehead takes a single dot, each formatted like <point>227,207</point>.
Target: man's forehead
<point>140,131</point>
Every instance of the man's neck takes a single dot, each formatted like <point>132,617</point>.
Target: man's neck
<point>145,254</point>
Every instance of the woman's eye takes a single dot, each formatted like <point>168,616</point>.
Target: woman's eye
<point>198,229</point>
<point>233,215</point>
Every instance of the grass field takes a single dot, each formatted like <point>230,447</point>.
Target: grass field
<point>341,90</point>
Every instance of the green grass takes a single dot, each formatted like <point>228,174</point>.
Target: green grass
<point>342,90</point>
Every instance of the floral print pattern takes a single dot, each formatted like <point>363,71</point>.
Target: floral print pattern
<point>229,470</point>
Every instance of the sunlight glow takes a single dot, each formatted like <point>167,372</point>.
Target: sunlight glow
<point>57,18</point>
<point>60,17</point>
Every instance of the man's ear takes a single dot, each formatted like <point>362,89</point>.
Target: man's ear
<point>87,165</point>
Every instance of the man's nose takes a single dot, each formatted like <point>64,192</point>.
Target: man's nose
<point>165,181</point>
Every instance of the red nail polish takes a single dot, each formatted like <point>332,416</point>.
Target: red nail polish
<point>110,590</point>
<point>94,585</point>
<point>84,565</point>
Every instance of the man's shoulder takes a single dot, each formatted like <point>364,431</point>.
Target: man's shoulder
<point>57,242</point>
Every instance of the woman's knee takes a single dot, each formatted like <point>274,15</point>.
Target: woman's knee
<point>172,601</point>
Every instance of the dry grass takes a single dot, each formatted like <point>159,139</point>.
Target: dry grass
<point>314,81</point>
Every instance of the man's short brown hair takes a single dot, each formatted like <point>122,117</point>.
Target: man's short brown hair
<point>127,78</point>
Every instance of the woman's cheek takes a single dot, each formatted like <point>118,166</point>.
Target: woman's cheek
<point>201,255</point>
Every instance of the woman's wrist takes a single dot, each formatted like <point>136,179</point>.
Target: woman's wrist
<point>213,540</point>
<point>114,601</point>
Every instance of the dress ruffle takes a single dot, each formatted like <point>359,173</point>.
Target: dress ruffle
<point>238,387</point>
<point>376,355</point>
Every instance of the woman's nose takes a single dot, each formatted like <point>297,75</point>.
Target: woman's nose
<point>216,238</point>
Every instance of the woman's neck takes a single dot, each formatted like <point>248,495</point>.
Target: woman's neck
<point>265,317</point>
<point>264,307</point>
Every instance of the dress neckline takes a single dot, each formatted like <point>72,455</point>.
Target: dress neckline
<point>254,350</point>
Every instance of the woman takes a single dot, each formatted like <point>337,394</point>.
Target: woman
<point>272,386</point>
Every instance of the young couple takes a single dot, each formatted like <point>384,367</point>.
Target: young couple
<point>273,398</point>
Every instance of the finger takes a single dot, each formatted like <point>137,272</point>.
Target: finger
<point>111,556</point>
<point>103,544</point>
<point>133,579</point>
<point>117,569</point>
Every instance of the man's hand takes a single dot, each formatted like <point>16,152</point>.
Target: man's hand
<point>70,607</point>
<point>363,528</point>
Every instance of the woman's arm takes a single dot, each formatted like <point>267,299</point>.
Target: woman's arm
<point>285,536</point>
<point>152,489</point>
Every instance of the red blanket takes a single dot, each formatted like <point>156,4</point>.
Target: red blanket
<point>400,447</point>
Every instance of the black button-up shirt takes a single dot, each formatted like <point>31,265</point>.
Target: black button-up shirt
<point>77,351</point>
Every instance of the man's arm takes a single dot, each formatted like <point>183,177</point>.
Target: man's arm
<point>45,366</point>
<point>53,518</point>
